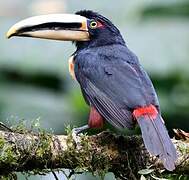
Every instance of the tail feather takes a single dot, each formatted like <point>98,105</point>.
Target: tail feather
<point>157,140</point>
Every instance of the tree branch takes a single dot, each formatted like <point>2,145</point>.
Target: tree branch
<point>101,153</point>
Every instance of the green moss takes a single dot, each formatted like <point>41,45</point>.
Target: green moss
<point>2,142</point>
<point>86,159</point>
<point>176,176</point>
<point>20,127</point>
<point>183,148</point>
<point>8,158</point>
<point>7,154</point>
<point>39,147</point>
<point>43,148</point>
<point>10,176</point>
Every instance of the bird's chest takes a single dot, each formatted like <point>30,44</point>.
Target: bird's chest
<point>78,65</point>
<point>85,64</point>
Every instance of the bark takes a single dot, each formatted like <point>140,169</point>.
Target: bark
<point>101,153</point>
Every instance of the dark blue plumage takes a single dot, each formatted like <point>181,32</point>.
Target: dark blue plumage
<point>112,73</point>
<point>113,81</point>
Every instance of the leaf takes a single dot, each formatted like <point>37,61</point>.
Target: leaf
<point>145,171</point>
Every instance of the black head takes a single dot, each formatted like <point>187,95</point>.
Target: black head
<point>101,30</point>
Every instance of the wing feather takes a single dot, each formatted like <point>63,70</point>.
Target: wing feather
<point>109,110</point>
<point>114,82</point>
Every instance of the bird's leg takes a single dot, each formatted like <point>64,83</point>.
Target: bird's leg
<point>75,132</point>
<point>95,121</point>
<point>78,130</point>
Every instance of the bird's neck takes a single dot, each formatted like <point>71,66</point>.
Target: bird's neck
<point>100,41</point>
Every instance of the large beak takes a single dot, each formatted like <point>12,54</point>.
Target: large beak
<point>67,27</point>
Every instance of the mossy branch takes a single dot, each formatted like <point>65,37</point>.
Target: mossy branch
<point>101,153</point>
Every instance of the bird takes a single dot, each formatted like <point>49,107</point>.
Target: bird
<point>113,82</point>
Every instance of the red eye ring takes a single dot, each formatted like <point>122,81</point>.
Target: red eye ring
<point>100,25</point>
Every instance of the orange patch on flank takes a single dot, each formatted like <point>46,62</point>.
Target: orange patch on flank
<point>150,111</point>
<point>95,119</point>
<point>71,67</point>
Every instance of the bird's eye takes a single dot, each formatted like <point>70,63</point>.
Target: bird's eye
<point>93,24</point>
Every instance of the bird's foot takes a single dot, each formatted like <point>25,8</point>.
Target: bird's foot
<point>76,132</point>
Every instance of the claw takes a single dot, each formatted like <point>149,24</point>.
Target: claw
<point>76,132</point>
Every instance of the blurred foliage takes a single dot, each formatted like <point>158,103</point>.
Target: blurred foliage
<point>39,79</point>
<point>34,78</point>
<point>169,8</point>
